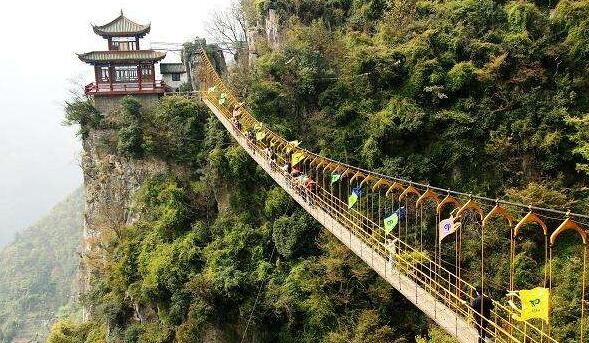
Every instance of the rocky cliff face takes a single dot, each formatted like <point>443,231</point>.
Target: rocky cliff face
<point>110,181</point>
<point>271,26</point>
<point>264,28</point>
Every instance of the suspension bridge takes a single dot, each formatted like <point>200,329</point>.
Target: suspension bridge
<point>401,252</point>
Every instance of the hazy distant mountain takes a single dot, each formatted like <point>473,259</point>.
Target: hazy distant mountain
<point>37,272</point>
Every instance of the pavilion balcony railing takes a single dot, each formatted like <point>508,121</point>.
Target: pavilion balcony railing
<point>133,87</point>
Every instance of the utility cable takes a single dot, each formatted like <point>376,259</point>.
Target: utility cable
<point>256,301</point>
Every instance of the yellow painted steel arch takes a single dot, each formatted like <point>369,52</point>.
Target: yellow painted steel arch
<point>428,195</point>
<point>568,224</point>
<point>472,206</point>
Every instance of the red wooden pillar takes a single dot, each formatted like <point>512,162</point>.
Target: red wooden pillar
<point>110,75</point>
<point>139,76</point>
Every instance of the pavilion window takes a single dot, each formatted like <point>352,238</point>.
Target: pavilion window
<point>126,74</point>
<point>104,77</point>
<point>124,43</point>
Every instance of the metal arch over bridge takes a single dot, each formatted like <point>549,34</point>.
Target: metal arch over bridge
<point>401,257</point>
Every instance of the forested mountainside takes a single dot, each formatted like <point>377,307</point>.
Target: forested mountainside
<point>38,273</point>
<point>483,96</point>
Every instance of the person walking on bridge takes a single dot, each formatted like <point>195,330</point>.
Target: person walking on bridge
<point>482,306</point>
<point>237,111</point>
<point>310,189</point>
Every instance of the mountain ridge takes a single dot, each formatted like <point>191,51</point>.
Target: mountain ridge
<point>37,273</point>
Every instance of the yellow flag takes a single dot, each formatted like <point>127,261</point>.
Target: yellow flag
<point>260,135</point>
<point>297,157</point>
<point>535,304</point>
<point>291,145</point>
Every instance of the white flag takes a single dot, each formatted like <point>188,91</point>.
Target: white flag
<point>447,227</point>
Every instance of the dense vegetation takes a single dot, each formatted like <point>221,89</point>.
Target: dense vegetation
<point>488,97</point>
<point>210,234</point>
<point>477,95</point>
<point>446,88</point>
<point>37,273</point>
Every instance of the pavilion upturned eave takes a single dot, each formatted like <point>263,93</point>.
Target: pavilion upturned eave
<point>121,57</point>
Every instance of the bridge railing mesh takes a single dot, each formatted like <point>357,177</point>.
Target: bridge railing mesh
<point>443,285</point>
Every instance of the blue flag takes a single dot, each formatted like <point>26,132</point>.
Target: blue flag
<point>400,212</point>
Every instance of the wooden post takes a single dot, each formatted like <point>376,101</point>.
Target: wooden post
<point>110,75</point>
<point>139,76</point>
<point>97,74</point>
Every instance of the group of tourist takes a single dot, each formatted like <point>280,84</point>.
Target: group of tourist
<point>299,181</point>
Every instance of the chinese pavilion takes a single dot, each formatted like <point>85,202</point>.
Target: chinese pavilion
<point>124,68</point>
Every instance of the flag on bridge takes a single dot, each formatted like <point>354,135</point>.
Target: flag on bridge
<point>447,227</point>
<point>297,157</point>
<point>222,99</point>
<point>291,145</point>
<point>335,177</point>
<point>260,135</point>
<point>401,212</point>
<point>391,221</point>
<point>353,198</point>
<point>535,304</point>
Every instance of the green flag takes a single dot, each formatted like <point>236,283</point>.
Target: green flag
<point>222,99</point>
<point>356,192</point>
<point>390,222</point>
<point>335,178</point>
<point>352,199</point>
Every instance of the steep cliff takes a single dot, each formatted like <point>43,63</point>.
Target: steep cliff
<point>208,248</point>
<point>110,180</point>
<point>191,59</point>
